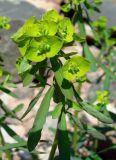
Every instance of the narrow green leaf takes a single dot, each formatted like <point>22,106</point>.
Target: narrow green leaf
<point>76,106</point>
<point>107,149</point>
<point>13,145</point>
<point>63,139</point>
<point>35,132</point>
<point>18,108</point>
<point>7,110</point>
<point>90,57</point>
<point>12,133</point>
<point>108,71</point>
<point>27,78</point>
<point>7,91</point>
<point>32,103</point>
<point>95,133</point>
<point>57,111</point>
<point>64,84</point>
<point>92,111</point>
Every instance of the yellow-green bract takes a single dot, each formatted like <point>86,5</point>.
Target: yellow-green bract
<point>41,39</point>
<point>78,1</point>
<point>65,30</point>
<point>1,71</point>
<point>102,97</point>
<point>75,68</point>
<point>42,48</point>
<point>100,23</point>
<point>4,22</point>
<point>52,15</point>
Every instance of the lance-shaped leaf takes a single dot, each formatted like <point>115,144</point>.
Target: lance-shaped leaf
<point>92,111</point>
<point>107,82</point>
<point>7,91</point>
<point>7,110</point>
<point>42,48</point>
<point>91,130</point>
<point>108,71</point>
<point>12,133</point>
<point>13,145</point>
<point>76,106</point>
<point>66,30</point>
<point>18,108</point>
<point>57,111</point>
<point>33,102</point>
<point>90,57</point>
<point>35,132</point>
<point>75,68</point>
<point>63,84</point>
<point>63,139</point>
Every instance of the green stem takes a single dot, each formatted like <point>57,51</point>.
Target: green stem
<point>75,135</point>
<point>81,22</point>
<point>8,154</point>
<point>54,146</point>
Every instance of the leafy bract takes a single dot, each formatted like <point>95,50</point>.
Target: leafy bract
<point>75,68</point>
<point>22,65</point>
<point>52,15</point>
<point>66,30</point>
<point>100,23</point>
<point>34,28</point>
<point>98,2</point>
<point>42,48</point>
<point>66,8</point>
<point>46,29</point>
<point>29,29</point>
<point>4,22</point>
<point>77,2</point>
<point>102,97</point>
<point>22,45</point>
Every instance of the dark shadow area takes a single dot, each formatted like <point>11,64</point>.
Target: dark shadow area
<point>108,155</point>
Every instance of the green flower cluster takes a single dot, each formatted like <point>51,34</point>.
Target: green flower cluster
<point>4,22</point>
<point>41,39</point>
<point>102,97</point>
<point>76,68</point>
